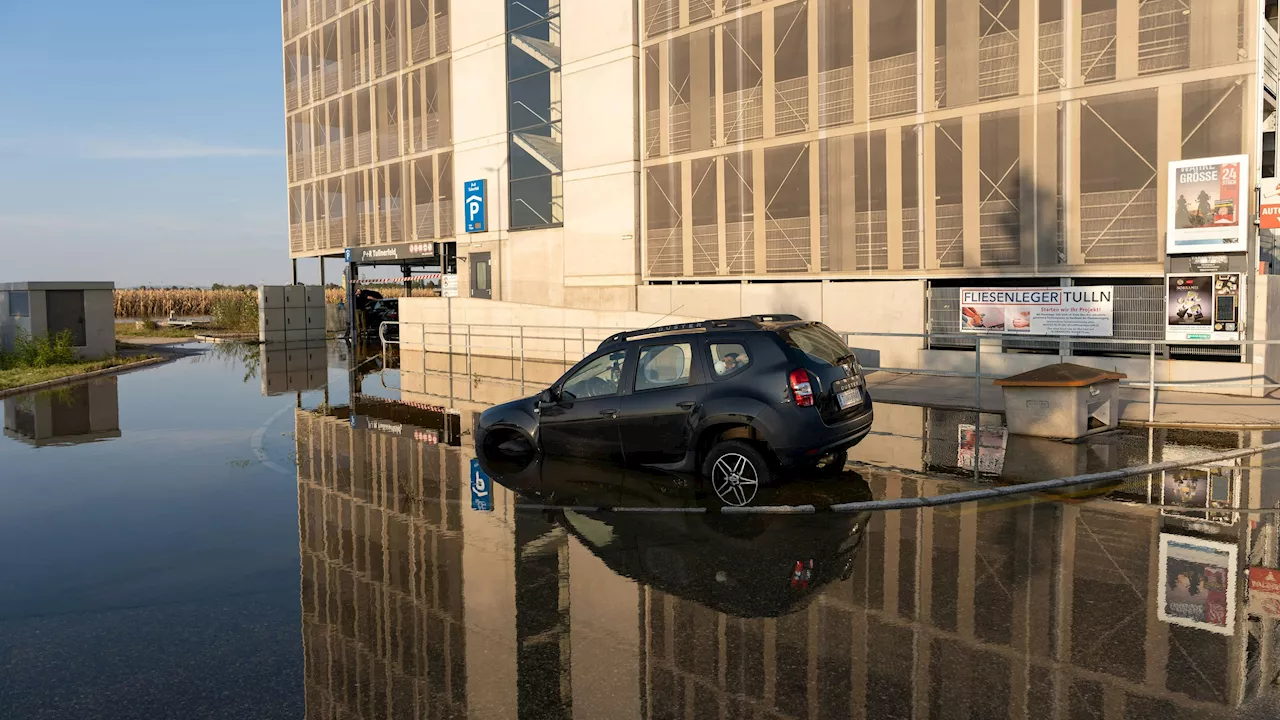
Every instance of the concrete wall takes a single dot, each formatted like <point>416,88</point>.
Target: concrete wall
<point>873,307</point>
<point>100,324</point>
<point>99,316</point>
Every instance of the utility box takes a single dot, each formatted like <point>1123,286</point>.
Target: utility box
<point>86,310</point>
<point>1064,400</point>
<point>291,314</point>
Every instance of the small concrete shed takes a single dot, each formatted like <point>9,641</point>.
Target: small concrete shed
<point>85,309</point>
<point>1064,400</point>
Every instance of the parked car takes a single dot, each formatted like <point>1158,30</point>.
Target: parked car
<point>736,399</point>
<point>379,310</point>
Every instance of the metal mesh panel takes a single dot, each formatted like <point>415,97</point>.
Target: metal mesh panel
<point>652,148</point>
<point>706,249</point>
<point>910,239</point>
<point>1164,39</point>
<point>791,106</point>
<point>442,34</point>
<point>893,86</point>
<point>420,43</point>
<point>446,218</point>
<point>787,245</point>
<point>824,243</point>
<point>661,16</point>
<point>940,75</point>
<point>944,317</point>
<point>1138,313</point>
<point>364,148</point>
<point>740,252</point>
<point>1118,226</point>
<point>701,10</point>
<point>680,135</point>
<point>1000,243</point>
<point>426,220</point>
<point>1098,46</point>
<point>997,66</point>
<point>835,96</point>
<point>295,237</point>
<point>950,238</point>
<point>665,252</point>
<point>744,115</point>
<point>871,252</point>
<point>1051,75</point>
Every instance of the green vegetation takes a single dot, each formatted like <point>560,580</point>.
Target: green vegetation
<point>150,329</point>
<point>236,312</point>
<point>35,360</point>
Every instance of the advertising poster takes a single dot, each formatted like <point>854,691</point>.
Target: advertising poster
<point>1190,307</point>
<point>991,455</point>
<point>1083,311</point>
<point>1197,583</point>
<point>1208,205</point>
<point>1199,494</point>
<point>1264,591</point>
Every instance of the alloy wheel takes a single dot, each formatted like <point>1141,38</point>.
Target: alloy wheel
<point>734,479</point>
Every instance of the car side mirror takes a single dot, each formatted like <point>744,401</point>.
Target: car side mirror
<point>547,397</point>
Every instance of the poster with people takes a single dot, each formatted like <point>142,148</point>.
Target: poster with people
<point>1197,583</point>
<point>1208,205</point>
<point>1189,307</point>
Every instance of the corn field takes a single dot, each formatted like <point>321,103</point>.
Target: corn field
<point>157,303</point>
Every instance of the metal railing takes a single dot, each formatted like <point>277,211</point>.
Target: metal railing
<point>566,345</point>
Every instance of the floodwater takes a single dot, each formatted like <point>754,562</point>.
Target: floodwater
<point>294,534</point>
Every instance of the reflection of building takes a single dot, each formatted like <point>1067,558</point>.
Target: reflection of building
<point>416,605</point>
<point>75,414</point>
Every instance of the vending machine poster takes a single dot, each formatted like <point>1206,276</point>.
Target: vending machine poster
<point>1190,307</point>
<point>1208,205</point>
<point>1197,583</point>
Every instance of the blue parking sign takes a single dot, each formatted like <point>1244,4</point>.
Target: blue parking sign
<point>481,488</point>
<point>473,192</point>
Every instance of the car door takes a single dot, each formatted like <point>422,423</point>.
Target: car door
<point>656,420</point>
<point>583,421</point>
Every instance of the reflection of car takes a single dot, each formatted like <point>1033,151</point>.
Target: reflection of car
<point>732,398</point>
<point>381,310</point>
<point>744,565</point>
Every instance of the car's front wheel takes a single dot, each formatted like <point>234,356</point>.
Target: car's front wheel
<point>736,469</point>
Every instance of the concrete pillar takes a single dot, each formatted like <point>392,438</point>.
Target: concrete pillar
<point>1157,635</point>
<point>927,52</point>
<point>1062,654</point>
<point>972,188</point>
<point>1127,38</point>
<point>1072,20</point>
<point>1168,149</point>
<point>1028,46</point>
<point>1213,28</point>
<point>435,192</point>
<point>1071,181</point>
<point>928,197</point>
<point>718,98</point>
<point>701,87</point>
<point>861,60</point>
<point>892,550</point>
<point>843,205</point>
<point>815,209</point>
<point>664,97</point>
<point>759,205</point>
<point>967,573</point>
<point>893,190</point>
<point>722,263</point>
<point>686,214</point>
<point>962,52</point>
<point>814,89</point>
<point>766,63</point>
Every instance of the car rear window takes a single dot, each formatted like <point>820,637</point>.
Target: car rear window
<point>818,342</point>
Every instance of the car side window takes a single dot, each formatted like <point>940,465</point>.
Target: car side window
<point>600,377</point>
<point>728,358</point>
<point>663,366</point>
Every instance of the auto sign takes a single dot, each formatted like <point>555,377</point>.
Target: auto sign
<point>1264,591</point>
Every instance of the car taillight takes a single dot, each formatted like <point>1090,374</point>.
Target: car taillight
<point>800,385</point>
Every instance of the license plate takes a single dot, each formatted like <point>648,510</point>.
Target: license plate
<point>849,398</point>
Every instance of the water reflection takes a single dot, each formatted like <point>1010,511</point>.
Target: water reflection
<point>81,413</point>
<point>416,605</point>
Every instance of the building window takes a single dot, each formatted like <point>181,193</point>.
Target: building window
<point>535,140</point>
<point>19,304</point>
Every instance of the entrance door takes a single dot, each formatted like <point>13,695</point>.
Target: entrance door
<point>66,312</point>
<point>481,276</point>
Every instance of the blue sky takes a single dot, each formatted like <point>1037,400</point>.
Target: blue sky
<point>142,142</point>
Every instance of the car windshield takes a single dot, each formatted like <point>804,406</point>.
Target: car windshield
<point>818,342</point>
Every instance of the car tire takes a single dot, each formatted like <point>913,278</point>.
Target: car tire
<point>735,471</point>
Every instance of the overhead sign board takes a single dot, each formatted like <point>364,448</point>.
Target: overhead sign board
<point>473,200</point>
<point>1208,205</point>
<point>1082,311</point>
<point>390,254</point>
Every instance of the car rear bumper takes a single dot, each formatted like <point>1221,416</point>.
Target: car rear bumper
<point>814,440</point>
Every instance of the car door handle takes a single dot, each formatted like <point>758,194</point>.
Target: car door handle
<point>611,414</point>
<point>687,405</point>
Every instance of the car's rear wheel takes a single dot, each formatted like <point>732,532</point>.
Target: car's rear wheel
<point>736,469</point>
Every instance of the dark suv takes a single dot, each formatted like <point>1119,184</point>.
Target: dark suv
<point>733,398</point>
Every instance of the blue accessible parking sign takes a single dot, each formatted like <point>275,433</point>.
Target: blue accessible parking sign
<point>481,489</point>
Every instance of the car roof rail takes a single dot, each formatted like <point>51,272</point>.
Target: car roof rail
<point>733,324</point>
<point>784,317</point>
